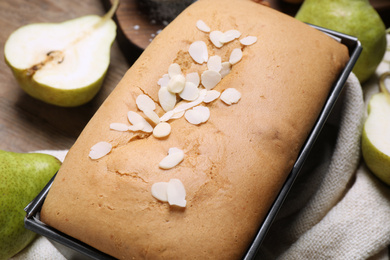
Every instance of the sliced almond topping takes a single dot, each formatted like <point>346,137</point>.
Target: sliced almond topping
<point>193,77</point>
<point>211,96</point>
<point>168,115</point>
<point>138,122</point>
<point>135,118</point>
<point>229,36</point>
<point>210,79</point>
<point>230,96</point>
<point>172,192</point>
<point>99,150</point>
<point>147,128</point>
<point>178,115</point>
<point>202,26</point>
<point>226,67</point>
<point>136,127</point>
<point>119,127</point>
<point>176,84</point>
<point>235,56</point>
<point>190,92</point>
<point>152,116</point>
<point>198,51</point>
<point>159,191</point>
<point>163,81</point>
<point>167,99</point>
<point>174,70</point>
<point>161,130</point>
<point>204,112</point>
<point>175,156</point>
<point>215,37</point>
<point>176,193</point>
<point>215,63</point>
<point>144,102</point>
<point>197,115</point>
<point>249,40</point>
<point>183,107</point>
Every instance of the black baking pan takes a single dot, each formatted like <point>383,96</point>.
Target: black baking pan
<point>71,248</point>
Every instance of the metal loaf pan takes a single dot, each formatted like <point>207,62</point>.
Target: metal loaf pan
<point>74,249</point>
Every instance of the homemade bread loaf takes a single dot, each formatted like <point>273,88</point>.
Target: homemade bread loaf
<point>234,163</point>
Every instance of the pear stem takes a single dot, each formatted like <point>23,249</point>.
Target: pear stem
<point>382,85</point>
<point>109,14</point>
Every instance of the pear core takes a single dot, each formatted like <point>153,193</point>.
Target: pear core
<point>81,51</point>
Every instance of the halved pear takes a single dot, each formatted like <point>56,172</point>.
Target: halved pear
<point>376,136</point>
<point>63,64</point>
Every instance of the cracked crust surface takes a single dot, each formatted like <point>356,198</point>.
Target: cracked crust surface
<point>234,164</point>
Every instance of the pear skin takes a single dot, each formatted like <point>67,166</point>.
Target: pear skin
<point>23,176</point>
<point>352,17</point>
<point>375,137</point>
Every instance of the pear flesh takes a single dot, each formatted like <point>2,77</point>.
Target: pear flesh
<point>376,137</point>
<point>62,64</point>
<point>23,176</point>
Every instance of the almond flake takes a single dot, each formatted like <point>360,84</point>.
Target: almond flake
<point>159,191</point>
<point>211,96</point>
<point>152,116</point>
<point>215,63</point>
<point>178,115</point>
<point>147,128</point>
<point>136,127</point>
<point>197,115</point>
<point>226,68</point>
<point>229,36</point>
<point>161,130</point>
<point>215,38</point>
<point>210,79</point>
<point>235,56</point>
<point>166,99</point>
<point>202,26</point>
<point>176,193</point>
<point>163,81</point>
<point>119,127</point>
<point>230,96</point>
<point>198,52</point>
<point>138,122</point>
<point>183,107</point>
<point>249,40</point>
<point>175,156</point>
<point>99,150</point>
<point>190,92</point>
<point>176,84</point>
<point>193,77</point>
<point>168,115</point>
<point>144,102</point>
<point>174,70</point>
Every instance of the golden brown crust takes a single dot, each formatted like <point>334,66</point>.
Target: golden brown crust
<point>234,164</point>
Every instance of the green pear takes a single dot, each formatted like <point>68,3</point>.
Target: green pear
<point>63,64</point>
<point>23,176</point>
<point>376,134</point>
<point>352,17</point>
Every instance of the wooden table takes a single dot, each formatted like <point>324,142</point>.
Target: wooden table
<point>27,124</point>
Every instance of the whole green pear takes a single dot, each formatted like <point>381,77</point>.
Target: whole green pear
<point>23,176</point>
<point>352,17</point>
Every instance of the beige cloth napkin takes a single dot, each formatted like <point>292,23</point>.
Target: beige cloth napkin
<point>336,209</point>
